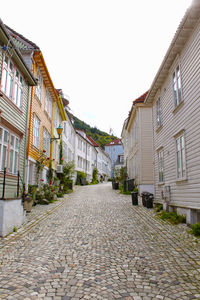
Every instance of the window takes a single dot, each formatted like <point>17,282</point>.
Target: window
<point>18,89</point>
<point>56,117</point>
<point>14,154</point>
<point>177,86</point>
<point>180,157</point>
<point>9,146</point>
<point>36,132</point>
<point>39,85</point>
<point>4,139</point>
<point>158,113</point>
<point>48,104</point>
<point>161,165</point>
<point>46,142</point>
<point>79,144</point>
<point>54,149</point>
<point>12,82</point>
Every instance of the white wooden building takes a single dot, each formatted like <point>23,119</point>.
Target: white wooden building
<point>175,96</point>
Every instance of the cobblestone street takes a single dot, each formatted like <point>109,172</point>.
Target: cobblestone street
<point>96,245</point>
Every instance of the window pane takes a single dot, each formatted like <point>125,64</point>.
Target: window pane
<point>4,157</point>
<point>16,163</point>
<point>11,161</point>
<point>4,80</point>
<point>1,133</point>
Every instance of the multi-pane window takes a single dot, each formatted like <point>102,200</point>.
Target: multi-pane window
<point>46,142</point>
<point>180,157</point>
<point>9,147</point>
<point>56,117</point>
<point>48,104</point>
<point>158,113</point>
<point>39,85</point>
<point>12,82</point>
<point>4,139</point>
<point>177,86</point>
<point>54,149</point>
<point>13,154</point>
<point>79,144</point>
<point>18,89</point>
<point>161,165</point>
<point>36,132</point>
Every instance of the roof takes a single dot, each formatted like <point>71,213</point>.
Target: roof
<point>18,58</point>
<point>92,141</point>
<point>181,36</point>
<point>116,142</point>
<point>20,41</point>
<point>141,98</point>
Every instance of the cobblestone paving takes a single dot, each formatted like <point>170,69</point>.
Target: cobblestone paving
<point>98,246</point>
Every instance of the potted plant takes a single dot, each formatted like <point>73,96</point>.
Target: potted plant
<point>134,196</point>
<point>28,202</point>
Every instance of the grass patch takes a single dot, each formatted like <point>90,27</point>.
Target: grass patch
<point>172,217</point>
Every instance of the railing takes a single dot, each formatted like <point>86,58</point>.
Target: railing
<point>20,186</point>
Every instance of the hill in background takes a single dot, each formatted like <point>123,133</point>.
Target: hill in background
<point>100,137</point>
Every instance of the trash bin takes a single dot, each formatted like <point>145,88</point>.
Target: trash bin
<point>144,196</point>
<point>116,185</point>
<point>134,196</point>
<point>149,201</point>
<point>130,184</point>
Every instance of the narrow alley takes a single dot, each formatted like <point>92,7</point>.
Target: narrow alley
<point>96,245</point>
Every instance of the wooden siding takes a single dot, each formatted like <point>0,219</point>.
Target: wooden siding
<point>18,119</point>
<point>146,145</point>
<point>186,117</point>
<point>38,109</point>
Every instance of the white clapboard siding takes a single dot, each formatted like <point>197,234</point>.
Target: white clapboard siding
<point>187,118</point>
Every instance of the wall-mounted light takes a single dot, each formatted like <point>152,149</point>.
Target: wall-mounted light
<point>59,132</point>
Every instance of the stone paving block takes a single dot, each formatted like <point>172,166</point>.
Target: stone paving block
<point>96,245</point>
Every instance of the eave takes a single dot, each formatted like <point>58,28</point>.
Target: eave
<point>16,56</point>
<point>39,59</point>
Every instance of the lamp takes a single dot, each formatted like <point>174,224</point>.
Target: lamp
<point>59,131</point>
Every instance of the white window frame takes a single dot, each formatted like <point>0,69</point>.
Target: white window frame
<point>36,132</point>
<point>13,165</point>
<point>3,145</point>
<point>160,153</point>
<point>38,90</point>
<point>56,116</point>
<point>180,157</point>
<point>46,142</point>
<point>48,104</point>
<point>159,120</point>
<point>12,82</point>
<point>5,161</point>
<point>177,89</point>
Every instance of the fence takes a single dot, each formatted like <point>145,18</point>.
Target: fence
<point>20,186</point>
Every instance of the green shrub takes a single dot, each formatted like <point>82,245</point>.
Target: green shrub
<point>80,176</point>
<point>172,217</point>
<point>60,195</point>
<point>158,207</point>
<point>196,229</point>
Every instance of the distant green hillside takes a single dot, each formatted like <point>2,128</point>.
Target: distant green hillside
<point>100,137</point>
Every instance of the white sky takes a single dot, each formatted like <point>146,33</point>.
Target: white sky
<point>102,53</point>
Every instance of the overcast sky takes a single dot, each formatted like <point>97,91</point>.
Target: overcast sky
<point>102,53</point>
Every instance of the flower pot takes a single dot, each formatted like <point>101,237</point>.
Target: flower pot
<point>28,203</point>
